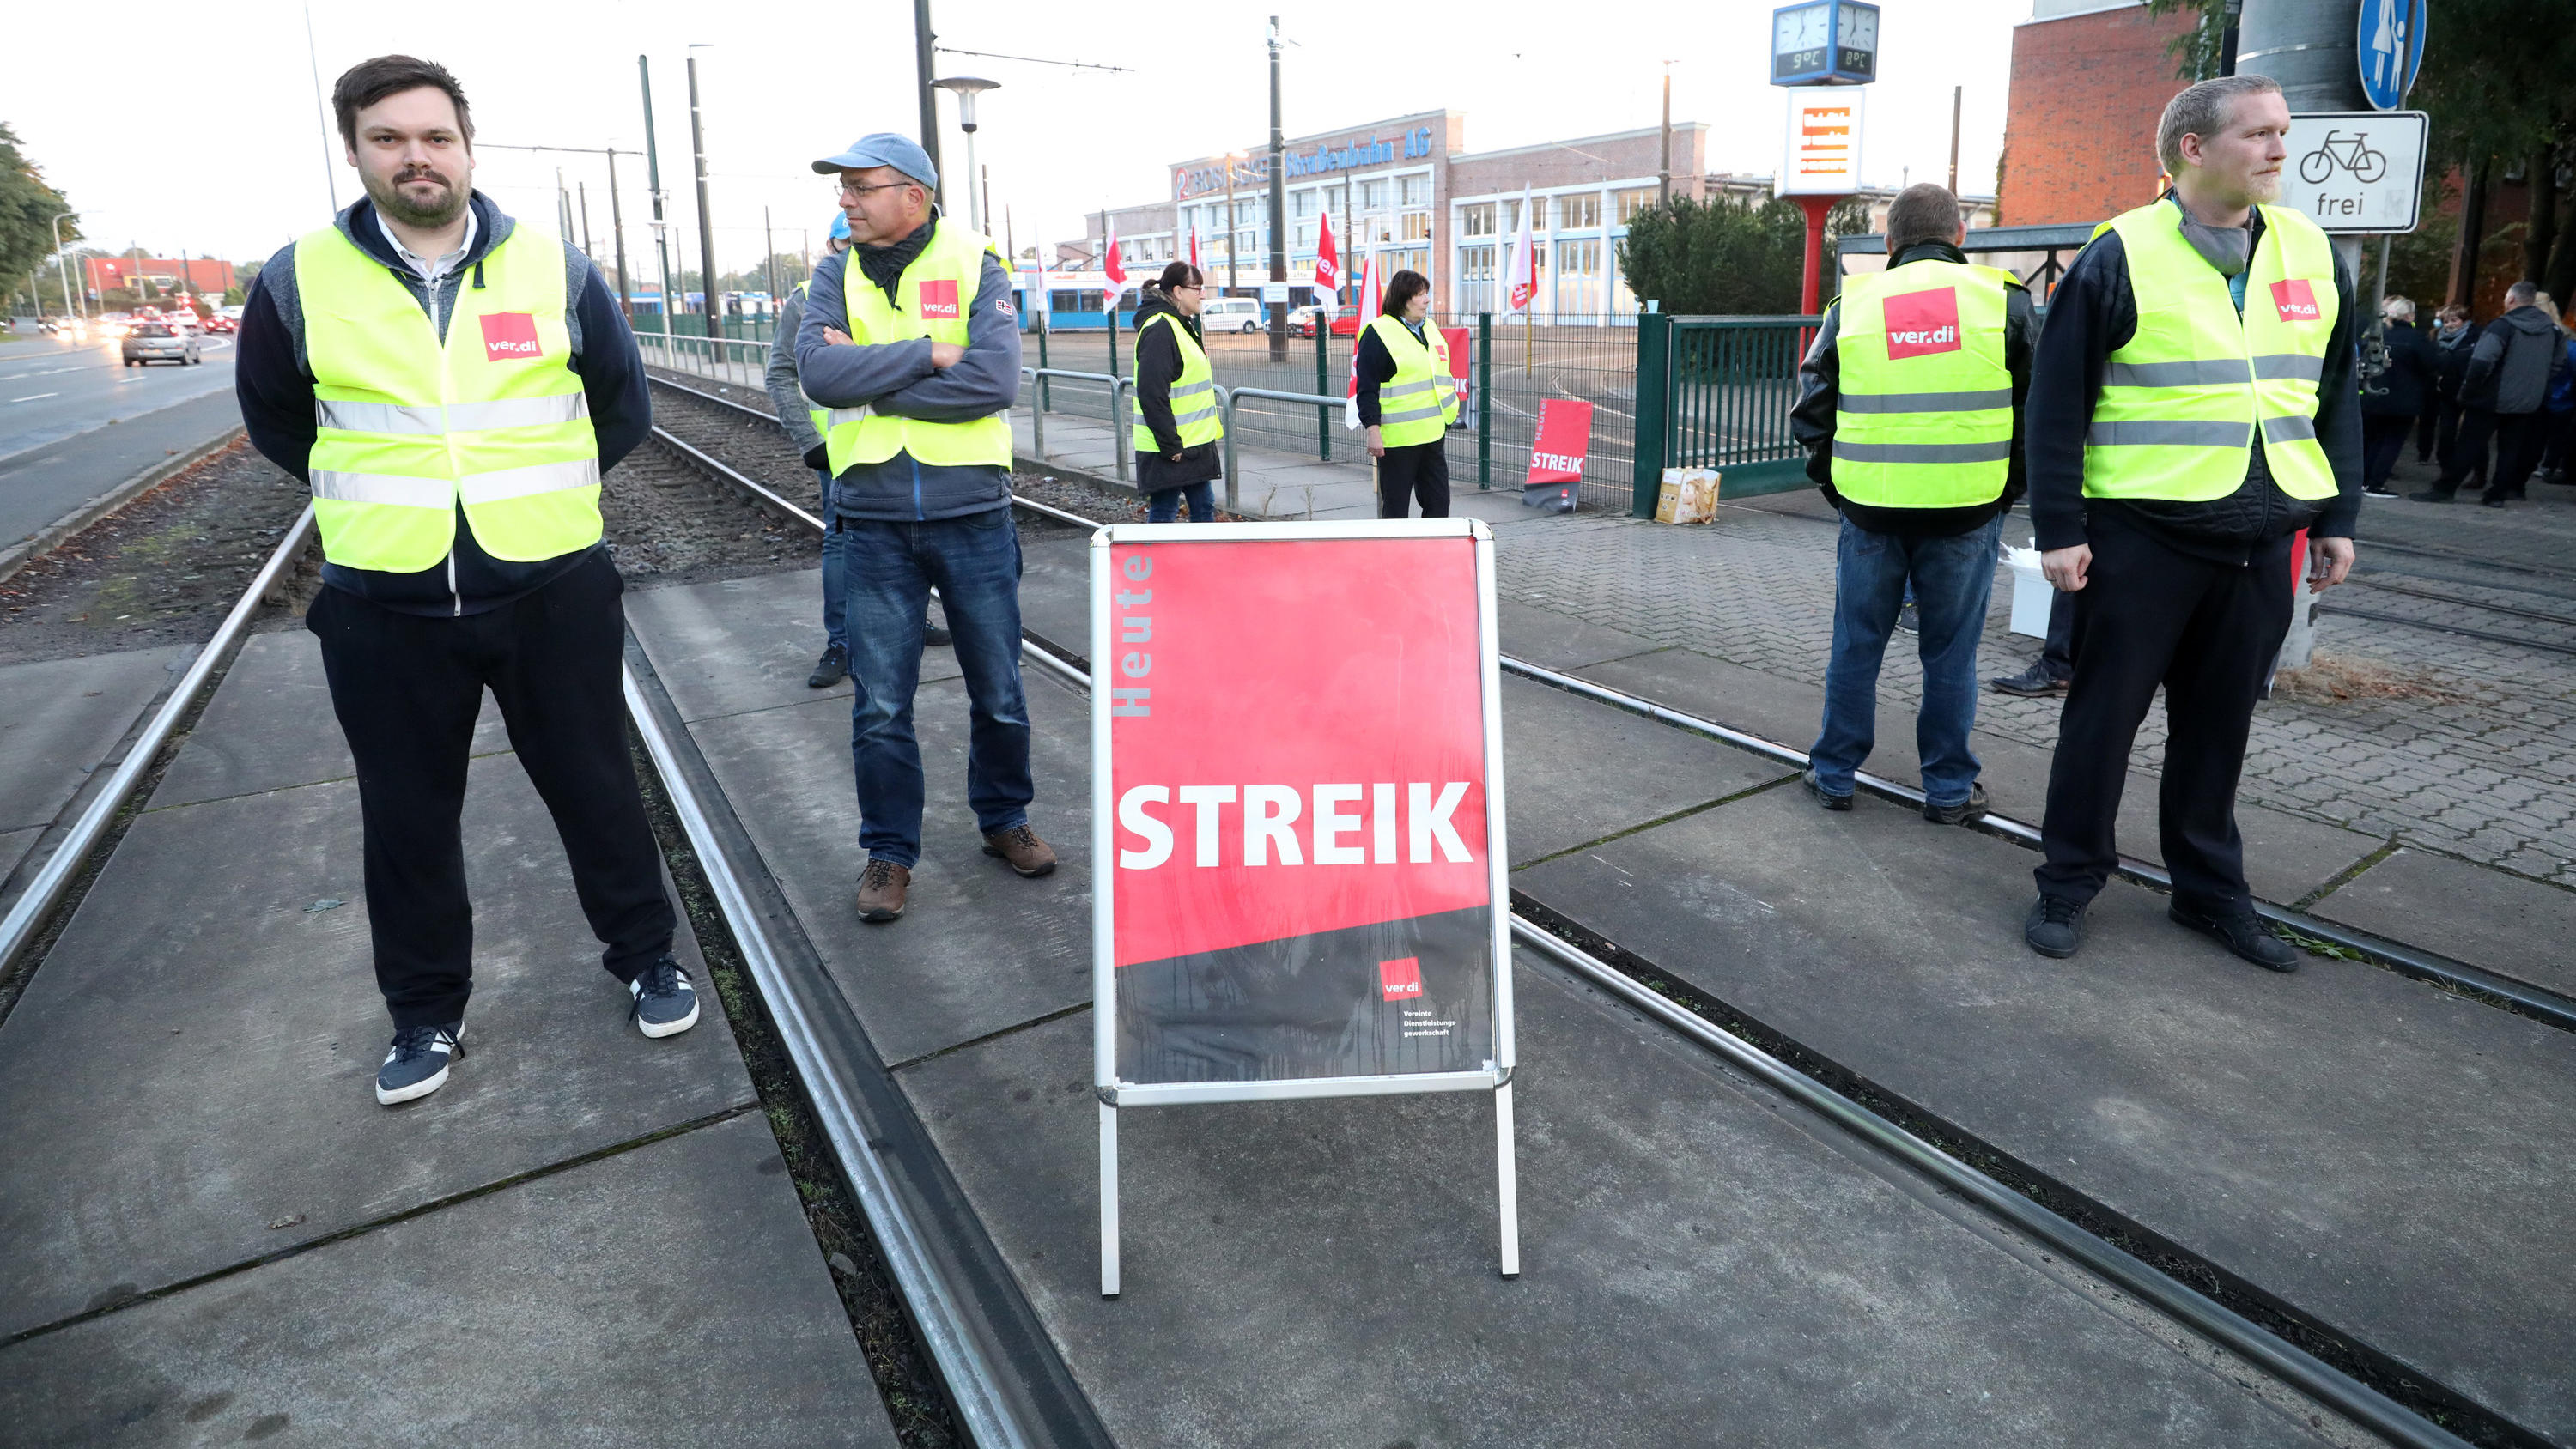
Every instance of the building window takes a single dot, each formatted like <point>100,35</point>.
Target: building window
<point>1417,226</point>
<point>1477,220</point>
<point>1306,236</point>
<point>1578,258</point>
<point>1634,200</point>
<point>1415,190</point>
<point>1373,195</point>
<point>1574,213</point>
<point>1476,264</point>
<point>1305,202</point>
<point>1337,199</point>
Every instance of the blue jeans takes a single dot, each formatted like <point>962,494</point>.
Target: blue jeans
<point>1952,580</point>
<point>1163,505</point>
<point>835,631</point>
<point>888,571</point>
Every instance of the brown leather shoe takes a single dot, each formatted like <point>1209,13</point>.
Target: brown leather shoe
<point>881,888</point>
<point>1021,847</point>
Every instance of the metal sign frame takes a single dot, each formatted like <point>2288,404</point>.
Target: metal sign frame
<point>1114,1094</point>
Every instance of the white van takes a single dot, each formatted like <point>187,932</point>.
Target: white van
<point>1233,314</point>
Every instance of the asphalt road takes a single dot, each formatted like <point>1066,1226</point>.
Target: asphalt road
<point>75,421</point>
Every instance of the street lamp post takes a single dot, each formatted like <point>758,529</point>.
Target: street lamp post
<point>967,87</point>
<point>65,264</point>
<point>706,224</point>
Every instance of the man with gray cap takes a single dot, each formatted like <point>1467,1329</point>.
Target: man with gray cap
<point>910,345</point>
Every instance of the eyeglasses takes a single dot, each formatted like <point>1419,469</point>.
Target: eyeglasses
<point>1189,287</point>
<point>846,189</point>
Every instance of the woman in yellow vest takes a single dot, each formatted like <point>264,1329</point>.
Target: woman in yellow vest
<point>1178,424</point>
<point>1407,399</point>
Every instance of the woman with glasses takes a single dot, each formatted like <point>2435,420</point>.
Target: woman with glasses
<point>1407,399</point>
<point>1178,425</point>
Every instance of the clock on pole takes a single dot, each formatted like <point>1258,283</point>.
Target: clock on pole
<point>1822,43</point>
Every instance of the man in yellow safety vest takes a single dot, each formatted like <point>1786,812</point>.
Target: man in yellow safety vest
<point>910,343</point>
<point>1907,405</point>
<point>2193,406</point>
<point>451,384</point>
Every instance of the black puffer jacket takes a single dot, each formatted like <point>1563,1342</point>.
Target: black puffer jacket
<point>2509,371</point>
<point>1158,366</point>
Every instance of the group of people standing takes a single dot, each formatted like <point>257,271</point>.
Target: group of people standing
<point>2510,384</point>
<point>2191,404</point>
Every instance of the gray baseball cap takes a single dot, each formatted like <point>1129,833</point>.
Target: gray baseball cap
<point>885,148</point>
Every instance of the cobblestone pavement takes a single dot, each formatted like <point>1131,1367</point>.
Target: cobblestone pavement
<point>2457,744</point>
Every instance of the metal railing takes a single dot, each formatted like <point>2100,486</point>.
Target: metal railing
<point>744,364</point>
<point>1715,392</point>
<point>1042,401</point>
<point>1228,400</point>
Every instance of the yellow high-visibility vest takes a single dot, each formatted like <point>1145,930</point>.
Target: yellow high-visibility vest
<point>2181,403</point>
<point>1421,400</point>
<point>409,426</point>
<point>814,411</point>
<point>937,292</point>
<point>1194,409</point>
<point>1924,415</point>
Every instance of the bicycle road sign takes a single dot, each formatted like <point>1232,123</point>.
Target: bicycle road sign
<point>2357,171</point>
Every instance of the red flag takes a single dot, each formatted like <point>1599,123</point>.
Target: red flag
<point>1520,277</point>
<point>1194,246</point>
<point>1328,268</point>
<point>1370,298</point>
<point>1113,268</point>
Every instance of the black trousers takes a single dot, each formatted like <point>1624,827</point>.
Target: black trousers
<point>2520,439</point>
<point>2383,439</point>
<point>1418,473</point>
<point>2428,427</point>
<point>2466,462</point>
<point>2448,430</point>
<point>2208,632</point>
<point>407,689</point>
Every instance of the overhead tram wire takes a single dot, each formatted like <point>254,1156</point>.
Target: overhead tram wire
<point>1035,60</point>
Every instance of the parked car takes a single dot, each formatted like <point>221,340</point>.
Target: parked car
<point>1232,314</point>
<point>222,322</point>
<point>159,341</point>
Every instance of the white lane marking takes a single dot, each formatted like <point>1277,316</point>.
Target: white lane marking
<point>32,397</point>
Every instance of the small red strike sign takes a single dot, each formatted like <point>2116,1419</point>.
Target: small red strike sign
<point>939,300</point>
<point>1564,440</point>
<point>2295,300</point>
<point>1919,323</point>
<point>510,336</point>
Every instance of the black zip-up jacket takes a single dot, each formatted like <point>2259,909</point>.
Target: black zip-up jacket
<point>2094,314</point>
<point>1811,422</point>
<point>273,379</point>
<point>2508,370</point>
<point>1158,366</point>
<point>2406,384</point>
<point>2452,360</point>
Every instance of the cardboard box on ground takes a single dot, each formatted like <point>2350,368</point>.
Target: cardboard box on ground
<point>1688,495</point>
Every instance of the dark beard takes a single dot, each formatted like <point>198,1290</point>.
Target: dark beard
<point>390,201</point>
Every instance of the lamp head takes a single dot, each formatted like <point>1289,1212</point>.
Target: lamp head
<point>966,87</point>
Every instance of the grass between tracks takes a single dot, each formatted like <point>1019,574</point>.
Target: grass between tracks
<point>905,1375</point>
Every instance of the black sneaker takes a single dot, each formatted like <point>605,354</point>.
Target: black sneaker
<point>1824,797</point>
<point>1909,620</point>
<point>934,637</point>
<point>2379,490</point>
<point>1972,808</point>
<point>831,669</point>
<point>2054,927</point>
<point>2032,683</point>
<point>665,1003</point>
<point>417,1065</point>
<point>2242,932</point>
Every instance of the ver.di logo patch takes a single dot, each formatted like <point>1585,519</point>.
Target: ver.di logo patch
<point>1921,323</point>
<point>2295,300</point>
<point>939,299</point>
<point>1401,979</point>
<point>510,336</point>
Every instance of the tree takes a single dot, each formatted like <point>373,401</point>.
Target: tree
<point>1725,257</point>
<point>27,210</point>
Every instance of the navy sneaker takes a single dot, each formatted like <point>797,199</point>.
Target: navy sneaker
<point>417,1064</point>
<point>831,669</point>
<point>2240,931</point>
<point>2054,927</point>
<point>665,1003</point>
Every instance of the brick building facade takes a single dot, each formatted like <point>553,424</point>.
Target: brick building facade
<point>2089,81</point>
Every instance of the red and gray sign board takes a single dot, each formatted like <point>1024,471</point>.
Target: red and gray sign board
<point>1557,454</point>
<point>1297,820</point>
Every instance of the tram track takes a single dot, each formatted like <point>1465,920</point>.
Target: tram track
<point>2332,1367</point>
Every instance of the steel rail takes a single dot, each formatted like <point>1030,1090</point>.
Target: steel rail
<point>2543,616</point>
<point>2464,632</point>
<point>2213,1320</point>
<point>2543,1005</point>
<point>2287,1362</point>
<point>973,1385</point>
<point>42,893</point>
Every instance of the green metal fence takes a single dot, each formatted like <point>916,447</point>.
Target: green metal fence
<point>1715,392</point>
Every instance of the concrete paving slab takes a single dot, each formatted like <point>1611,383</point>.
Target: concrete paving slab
<point>1701,1265</point>
<point>1561,641</point>
<point>2286,858</point>
<point>669,1295</point>
<point>270,727</point>
<point>1055,588</point>
<point>220,1028</point>
<point>978,949</point>
<point>60,718</point>
<point>2505,923</point>
<point>13,848</point>
<point>1578,772</point>
<point>745,644</point>
<point>2390,1158</point>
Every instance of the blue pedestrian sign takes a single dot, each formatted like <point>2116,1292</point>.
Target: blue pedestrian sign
<point>2391,49</point>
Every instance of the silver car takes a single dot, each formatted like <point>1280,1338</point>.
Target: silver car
<point>160,342</point>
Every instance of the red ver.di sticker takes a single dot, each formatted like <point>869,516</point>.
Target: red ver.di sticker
<point>1922,322</point>
<point>2295,300</point>
<point>509,336</point>
<point>939,300</point>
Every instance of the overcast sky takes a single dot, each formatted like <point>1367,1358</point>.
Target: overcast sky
<point>228,159</point>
